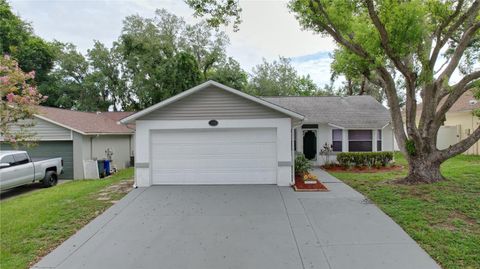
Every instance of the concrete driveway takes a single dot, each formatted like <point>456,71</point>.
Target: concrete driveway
<point>241,226</point>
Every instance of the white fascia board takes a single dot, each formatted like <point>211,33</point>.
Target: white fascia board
<point>202,86</point>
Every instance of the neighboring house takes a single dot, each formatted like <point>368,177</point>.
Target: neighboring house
<point>213,134</point>
<point>77,136</point>
<point>460,123</point>
<point>460,117</point>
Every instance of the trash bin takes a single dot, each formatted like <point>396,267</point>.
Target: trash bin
<point>106,166</point>
<point>101,168</point>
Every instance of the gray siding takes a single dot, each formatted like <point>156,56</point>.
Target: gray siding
<point>45,130</point>
<point>51,149</point>
<point>213,103</point>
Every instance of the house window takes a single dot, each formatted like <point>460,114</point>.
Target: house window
<point>337,140</point>
<point>379,140</point>
<point>359,140</point>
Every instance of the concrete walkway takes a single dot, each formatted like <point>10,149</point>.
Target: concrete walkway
<point>242,226</point>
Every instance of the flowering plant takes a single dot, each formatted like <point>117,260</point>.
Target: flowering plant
<point>309,177</point>
<point>18,101</point>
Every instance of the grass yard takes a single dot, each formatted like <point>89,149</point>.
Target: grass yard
<point>444,218</point>
<point>33,224</point>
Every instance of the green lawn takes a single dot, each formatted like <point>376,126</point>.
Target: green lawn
<point>444,218</point>
<point>32,224</point>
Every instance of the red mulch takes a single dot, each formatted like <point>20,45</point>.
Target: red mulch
<point>301,186</point>
<point>338,168</point>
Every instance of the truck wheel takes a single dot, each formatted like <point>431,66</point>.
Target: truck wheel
<point>50,179</point>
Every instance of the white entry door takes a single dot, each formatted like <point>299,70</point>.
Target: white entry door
<point>214,156</point>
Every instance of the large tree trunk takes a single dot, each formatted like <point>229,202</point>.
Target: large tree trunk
<point>423,169</point>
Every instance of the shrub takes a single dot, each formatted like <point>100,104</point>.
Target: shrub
<point>369,159</point>
<point>302,164</point>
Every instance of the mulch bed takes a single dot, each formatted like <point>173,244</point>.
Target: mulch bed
<point>301,186</point>
<point>338,168</point>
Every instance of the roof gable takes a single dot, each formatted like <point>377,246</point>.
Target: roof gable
<point>187,99</point>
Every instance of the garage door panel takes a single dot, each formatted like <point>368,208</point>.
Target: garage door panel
<point>214,156</point>
<point>230,164</point>
<point>213,151</point>
<point>205,136</point>
<point>212,177</point>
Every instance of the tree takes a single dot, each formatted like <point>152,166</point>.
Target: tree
<point>18,40</point>
<point>229,72</point>
<point>205,44</point>
<point>279,78</point>
<point>356,83</point>
<point>106,76</point>
<point>66,85</point>
<point>18,98</point>
<point>410,39</point>
<point>163,56</point>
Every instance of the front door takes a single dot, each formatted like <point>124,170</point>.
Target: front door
<point>310,144</point>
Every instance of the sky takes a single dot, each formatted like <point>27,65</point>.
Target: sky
<point>268,29</point>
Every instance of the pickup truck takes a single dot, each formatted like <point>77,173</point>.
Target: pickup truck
<point>17,168</point>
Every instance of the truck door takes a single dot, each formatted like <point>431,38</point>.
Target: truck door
<point>24,171</point>
<point>8,176</point>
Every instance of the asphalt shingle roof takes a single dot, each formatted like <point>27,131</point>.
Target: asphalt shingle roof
<point>87,122</point>
<point>347,112</point>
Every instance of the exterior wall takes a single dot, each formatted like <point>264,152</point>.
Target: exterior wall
<point>212,103</point>
<point>81,151</point>
<point>118,144</point>
<point>88,147</point>
<point>324,135</point>
<point>46,131</point>
<point>467,123</point>
<point>145,127</point>
<point>388,138</point>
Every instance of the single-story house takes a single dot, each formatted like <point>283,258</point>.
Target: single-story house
<point>213,134</point>
<point>77,136</point>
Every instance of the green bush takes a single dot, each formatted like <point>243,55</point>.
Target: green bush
<point>364,159</point>
<point>302,164</point>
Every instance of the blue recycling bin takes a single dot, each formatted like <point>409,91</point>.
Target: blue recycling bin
<point>106,166</point>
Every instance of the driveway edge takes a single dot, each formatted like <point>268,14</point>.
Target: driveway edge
<point>67,248</point>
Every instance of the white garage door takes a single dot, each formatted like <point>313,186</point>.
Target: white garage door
<point>214,156</point>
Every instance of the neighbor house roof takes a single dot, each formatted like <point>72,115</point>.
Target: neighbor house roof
<point>360,112</point>
<point>85,122</point>
<point>203,86</point>
<point>465,103</point>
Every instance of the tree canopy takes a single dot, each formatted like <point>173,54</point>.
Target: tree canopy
<point>18,40</point>
<point>279,78</point>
